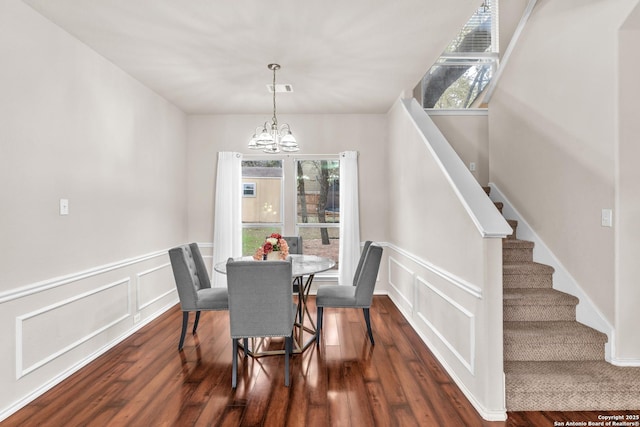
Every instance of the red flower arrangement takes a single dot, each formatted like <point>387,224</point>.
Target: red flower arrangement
<point>273,243</point>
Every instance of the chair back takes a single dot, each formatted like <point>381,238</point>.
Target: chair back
<point>189,278</point>
<point>294,243</point>
<point>361,261</point>
<point>203,274</point>
<point>260,302</point>
<point>367,280</point>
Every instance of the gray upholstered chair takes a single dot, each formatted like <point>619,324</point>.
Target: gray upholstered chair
<point>294,243</point>
<point>357,296</point>
<point>260,305</point>
<point>295,247</point>
<point>194,286</point>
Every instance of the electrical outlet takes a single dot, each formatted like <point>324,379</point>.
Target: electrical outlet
<point>472,166</point>
<point>136,318</point>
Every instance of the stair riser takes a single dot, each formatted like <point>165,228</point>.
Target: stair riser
<point>571,401</point>
<point>527,281</point>
<point>549,352</point>
<point>539,312</point>
<point>517,255</point>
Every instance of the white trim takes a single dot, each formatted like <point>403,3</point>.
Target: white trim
<point>65,280</point>
<point>21,371</point>
<point>446,275</point>
<point>139,306</point>
<point>457,112</point>
<point>470,365</point>
<point>586,311</point>
<point>481,211</point>
<point>394,287</point>
<point>16,406</point>
<point>489,415</point>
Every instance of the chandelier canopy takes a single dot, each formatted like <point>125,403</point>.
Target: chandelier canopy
<point>271,138</point>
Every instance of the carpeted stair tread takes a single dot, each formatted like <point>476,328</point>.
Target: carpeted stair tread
<point>571,386</point>
<point>526,275</point>
<point>553,332</point>
<point>516,244</point>
<point>537,296</point>
<point>527,268</point>
<point>536,304</point>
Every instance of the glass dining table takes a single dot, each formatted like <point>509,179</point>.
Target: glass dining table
<point>304,269</point>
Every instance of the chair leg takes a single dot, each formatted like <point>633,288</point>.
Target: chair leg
<point>195,322</point>
<point>234,363</point>
<point>318,324</point>
<point>288,344</point>
<point>368,322</point>
<point>185,320</point>
<point>245,342</point>
<point>300,297</point>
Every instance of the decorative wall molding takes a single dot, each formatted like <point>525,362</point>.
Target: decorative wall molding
<point>469,364</point>
<point>19,349</point>
<point>142,305</point>
<point>408,301</point>
<point>65,280</point>
<point>446,275</point>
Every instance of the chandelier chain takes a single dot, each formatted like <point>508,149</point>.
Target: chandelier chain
<point>274,119</point>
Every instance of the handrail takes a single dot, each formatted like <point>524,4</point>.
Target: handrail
<point>480,208</point>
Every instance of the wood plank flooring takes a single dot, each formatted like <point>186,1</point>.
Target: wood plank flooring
<point>145,381</point>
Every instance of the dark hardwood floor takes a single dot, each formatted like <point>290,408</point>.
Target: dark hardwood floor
<point>145,381</point>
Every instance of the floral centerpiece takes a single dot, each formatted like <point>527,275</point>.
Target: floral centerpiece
<point>273,248</point>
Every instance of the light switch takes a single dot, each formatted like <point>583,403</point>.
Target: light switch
<point>607,218</point>
<point>64,206</point>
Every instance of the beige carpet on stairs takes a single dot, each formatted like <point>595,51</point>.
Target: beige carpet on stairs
<point>552,362</point>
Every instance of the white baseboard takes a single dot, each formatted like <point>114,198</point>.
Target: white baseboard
<point>16,406</point>
<point>489,415</point>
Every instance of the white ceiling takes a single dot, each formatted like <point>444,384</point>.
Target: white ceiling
<point>211,56</point>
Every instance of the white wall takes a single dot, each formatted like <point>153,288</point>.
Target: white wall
<point>444,277</point>
<point>74,126</point>
<point>554,125</point>
<point>316,134</point>
<point>552,128</point>
<point>469,136</point>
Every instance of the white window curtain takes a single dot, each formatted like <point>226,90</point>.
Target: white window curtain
<point>227,227</point>
<point>349,217</point>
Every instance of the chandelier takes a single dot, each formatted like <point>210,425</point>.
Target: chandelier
<point>271,138</point>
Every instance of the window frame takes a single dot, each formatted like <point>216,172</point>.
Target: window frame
<point>288,200</point>
<point>491,57</point>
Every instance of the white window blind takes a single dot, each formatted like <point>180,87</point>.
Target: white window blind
<point>475,36</point>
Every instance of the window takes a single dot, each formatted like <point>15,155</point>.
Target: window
<point>262,202</point>
<point>290,196</point>
<point>463,71</point>
<point>248,189</point>
<point>318,206</point>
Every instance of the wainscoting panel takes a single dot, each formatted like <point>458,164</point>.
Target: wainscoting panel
<point>52,328</point>
<point>401,285</point>
<point>47,333</point>
<point>154,286</point>
<point>449,321</point>
<point>440,306</point>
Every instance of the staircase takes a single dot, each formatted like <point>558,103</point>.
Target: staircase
<point>552,362</point>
